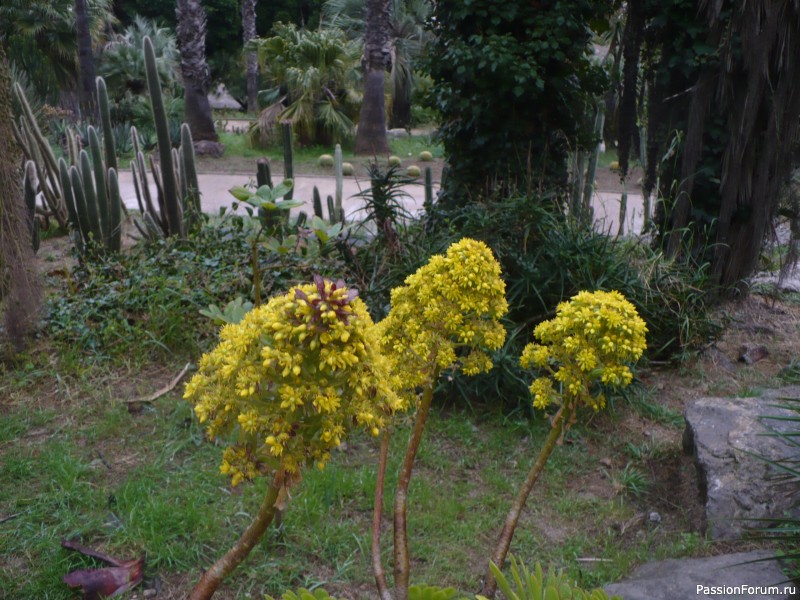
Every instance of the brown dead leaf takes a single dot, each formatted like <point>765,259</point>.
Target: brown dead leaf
<point>106,582</point>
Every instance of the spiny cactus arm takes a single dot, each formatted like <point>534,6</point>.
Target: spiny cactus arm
<point>317,202</point>
<point>168,195</point>
<point>49,195</point>
<point>41,141</point>
<point>337,166</point>
<point>141,170</point>
<point>101,190</point>
<point>333,214</point>
<point>162,202</point>
<point>288,155</point>
<point>191,201</point>
<point>29,192</point>
<point>263,174</point>
<point>69,198</point>
<point>114,212</point>
<point>428,189</point>
<point>21,138</point>
<point>73,146</point>
<point>90,194</point>
<point>80,202</point>
<point>105,121</point>
<point>177,161</point>
<point>137,188</point>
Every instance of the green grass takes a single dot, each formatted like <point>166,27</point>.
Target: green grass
<point>240,156</point>
<point>147,484</point>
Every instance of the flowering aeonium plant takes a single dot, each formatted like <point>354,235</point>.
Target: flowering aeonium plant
<point>589,344</point>
<point>283,387</point>
<point>447,315</point>
<point>289,380</point>
<point>591,341</point>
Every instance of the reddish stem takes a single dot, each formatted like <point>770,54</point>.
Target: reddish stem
<point>214,576</point>
<point>504,543</point>
<point>402,559</point>
<point>377,520</point>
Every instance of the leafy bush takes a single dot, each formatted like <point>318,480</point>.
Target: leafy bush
<point>147,302</point>
<point>547,258</point>
<point>515,88</point>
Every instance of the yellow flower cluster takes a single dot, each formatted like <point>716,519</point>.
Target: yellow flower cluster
<point>288,382</point>
<point>446,315</point>
<point>591,340</point>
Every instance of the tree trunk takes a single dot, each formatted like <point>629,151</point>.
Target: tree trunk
<point>401,109</point>
<point>191,33</point>
<point>760,94</point>
<point>371,134</point>
<point>19,282</point>
<point>250,58</point>
<point>85,60</point>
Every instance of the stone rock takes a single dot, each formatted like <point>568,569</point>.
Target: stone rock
<point>208,148</point>
<point>734,485</point>
<point>706,578</point>
<point>397,133</point>
<point>752,353</point>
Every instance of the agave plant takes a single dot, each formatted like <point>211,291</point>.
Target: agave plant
<point>315,73</point>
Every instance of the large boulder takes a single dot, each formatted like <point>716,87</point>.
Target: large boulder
<point>713,577</point>
<point>726,436</point>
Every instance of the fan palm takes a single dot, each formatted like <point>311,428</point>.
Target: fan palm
<point>39,38</point>
<point>122,63</point>
<point>408,39</point>
<point>316,71</point>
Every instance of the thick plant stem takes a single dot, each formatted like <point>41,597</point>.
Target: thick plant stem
<point>377,519</point>
<point>504,543</point>
<point>214,576</point>
<point>401,557</point>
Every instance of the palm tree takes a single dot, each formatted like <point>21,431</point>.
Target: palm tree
<point>191,31</point>
<point>408,38</point>
<point>39,38</point>
<point>250,57</point>
<point>371,134</point>
<point>314,74</point>
<point>121,62</point>
<point>85,60</point>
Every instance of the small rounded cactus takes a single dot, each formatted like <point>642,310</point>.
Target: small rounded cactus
<point>413,171</point>
<point>347,169</point>
<point>394,161</point>
<point>326,160</point>
<point>614,166</point>
<point>425,156</point>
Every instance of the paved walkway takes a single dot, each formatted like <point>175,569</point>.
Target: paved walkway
<point>214,195</point>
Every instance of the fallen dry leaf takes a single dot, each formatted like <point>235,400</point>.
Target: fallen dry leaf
<point>105,582</point>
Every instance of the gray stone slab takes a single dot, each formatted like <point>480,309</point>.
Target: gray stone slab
<point>713,577</point>
<point>735,486</point>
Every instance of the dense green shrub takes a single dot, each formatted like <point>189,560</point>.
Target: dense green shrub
<point>515,88</point>
<point>547,258</point>
<point>145,302</point>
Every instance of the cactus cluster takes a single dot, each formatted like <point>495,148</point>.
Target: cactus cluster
<point>175,177</point>
<point>334,215</point>
<point>38,153</point>
<point>90,186</point>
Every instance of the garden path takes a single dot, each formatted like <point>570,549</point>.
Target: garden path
<point>214,195</point>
